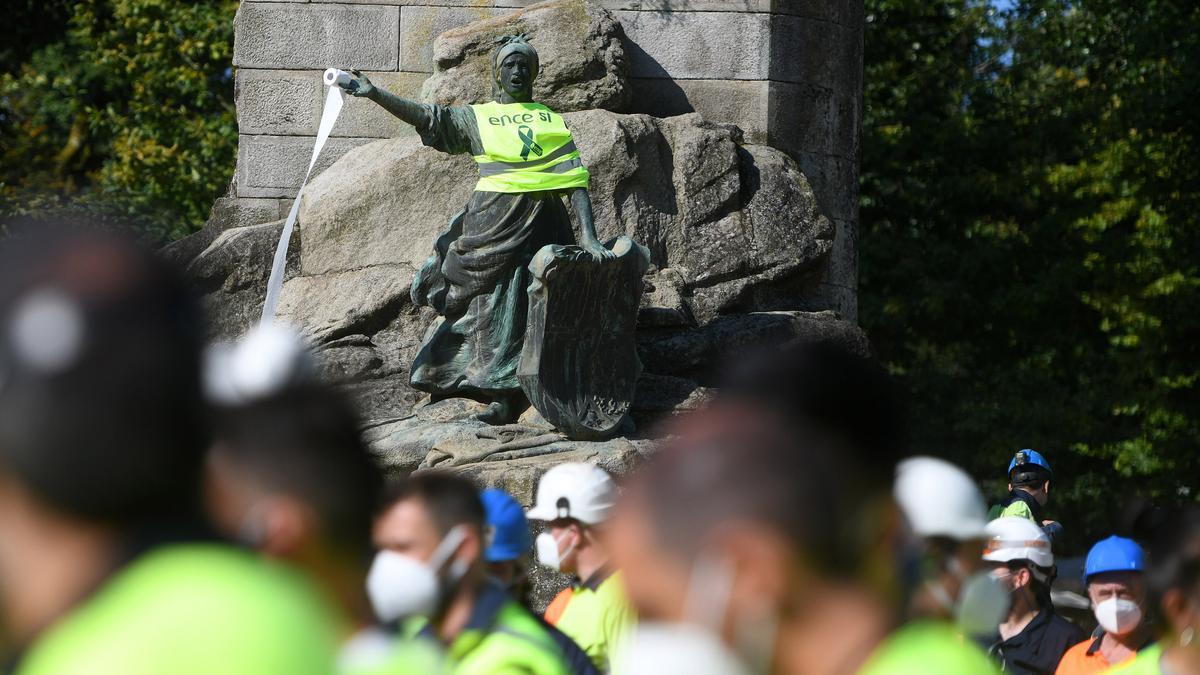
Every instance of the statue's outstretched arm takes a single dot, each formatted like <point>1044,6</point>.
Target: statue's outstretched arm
<point>408,110</point>
<point>581,201</point>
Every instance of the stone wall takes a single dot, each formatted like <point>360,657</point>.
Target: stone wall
<point>788,72</point>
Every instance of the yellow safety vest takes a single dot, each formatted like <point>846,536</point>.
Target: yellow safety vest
<point>596,615</point>
<point>527,147</point>
<point>191,609</point>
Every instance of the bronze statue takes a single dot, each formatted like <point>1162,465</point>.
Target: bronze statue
<point>478,276</point>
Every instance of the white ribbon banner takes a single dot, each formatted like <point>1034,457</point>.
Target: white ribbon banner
<point>329,115</point>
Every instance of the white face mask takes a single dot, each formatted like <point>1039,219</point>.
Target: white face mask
<point>252,531</point>
<point>981,604</point>
<point>695,645</point>
<point>1118,615</point>
<point>400,585</point>
<point>546,547</point>
<point>659,648</point>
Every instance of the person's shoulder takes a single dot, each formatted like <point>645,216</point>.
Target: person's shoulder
<point>927,647</point>
<point>193,608</point>
<point>1072,632</point>
<point>1073,658</point>
<point>1145,663</point>
<point>517,643</point>
<point>558,605</point>
<point>1017,508</point>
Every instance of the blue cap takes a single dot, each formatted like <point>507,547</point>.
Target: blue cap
<point>1115,554</point>
<point>508,530</point>
<point>1029,457</point>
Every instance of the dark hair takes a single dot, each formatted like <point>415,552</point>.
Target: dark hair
<point>732,464</point>
<point>112,427</point>
<point>1029,476</point>
<point>825,386</point>
<point>1175,554</point>
<point>1041,579</point>
<point>305,441</point>
<point>451,499</point>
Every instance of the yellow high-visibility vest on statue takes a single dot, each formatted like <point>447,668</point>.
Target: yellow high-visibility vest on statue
<point>527,147</point>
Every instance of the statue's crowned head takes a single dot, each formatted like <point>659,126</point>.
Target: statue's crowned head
<point>515,65</point>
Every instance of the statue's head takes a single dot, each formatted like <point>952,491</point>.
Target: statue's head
<point>514,67</point>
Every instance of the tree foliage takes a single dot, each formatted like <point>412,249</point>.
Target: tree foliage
<point>1030,243</point>
<point>129,112</point>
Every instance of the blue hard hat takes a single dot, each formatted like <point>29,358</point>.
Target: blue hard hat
<point>1029,457</point>
<point>508,531</point>
<point>1115,554</point>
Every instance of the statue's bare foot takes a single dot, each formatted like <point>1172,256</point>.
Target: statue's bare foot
<point>498,412</point>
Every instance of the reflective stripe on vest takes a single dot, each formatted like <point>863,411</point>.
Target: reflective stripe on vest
<point>526,148</point>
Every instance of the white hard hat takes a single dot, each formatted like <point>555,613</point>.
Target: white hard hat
<point>940,499</point>
<point>574,490</point>
<point>260,364</point>
<point>1016,538</point>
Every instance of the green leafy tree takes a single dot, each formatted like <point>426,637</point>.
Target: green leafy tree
<point>130,113</point>
<point>1030,238</point>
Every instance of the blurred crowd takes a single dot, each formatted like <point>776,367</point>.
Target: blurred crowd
<point>169,506</point>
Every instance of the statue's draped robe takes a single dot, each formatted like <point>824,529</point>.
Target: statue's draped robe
<point>478,275</point>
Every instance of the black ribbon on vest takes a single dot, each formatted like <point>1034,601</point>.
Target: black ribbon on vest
<point>526,136</point>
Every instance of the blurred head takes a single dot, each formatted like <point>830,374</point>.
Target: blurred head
<point>1174,577</point>
<point>289,474</point>
<point>515,68</point>
<point>102,429</point>
<point>738,525</point>
<point>101,413</point>
<point>575,500</point>
<point>826,387</point>
<point>429,533</point>
<point>947,517</point>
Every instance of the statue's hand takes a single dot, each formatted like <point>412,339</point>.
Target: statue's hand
<point>360,85</point>
<point>597,250</point>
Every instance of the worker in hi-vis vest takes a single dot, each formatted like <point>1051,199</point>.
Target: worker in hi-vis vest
<point>574,500</point>
<point>477,277</point>
<point>1029,477</point>
<point>106,568</point>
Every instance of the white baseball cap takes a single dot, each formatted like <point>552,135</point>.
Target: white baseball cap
<point>575,490</point>
<point>1016,538</point>
<point>940,500</point>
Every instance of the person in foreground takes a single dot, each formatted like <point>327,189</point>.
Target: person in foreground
<point>764,538</point>
<point>107,567</point>
<point>1116,585</point>
<point>739,558</point>
<point>430,577</point>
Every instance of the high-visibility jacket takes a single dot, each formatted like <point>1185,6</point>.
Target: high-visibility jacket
<point>595,614</point>
<point>1019,503</point>
<point>190,609</point>
<point>400,657</point>
<point>527,147</point>
<point>927,648</point>
<point>501,637</point>
<point>1148,662</point>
